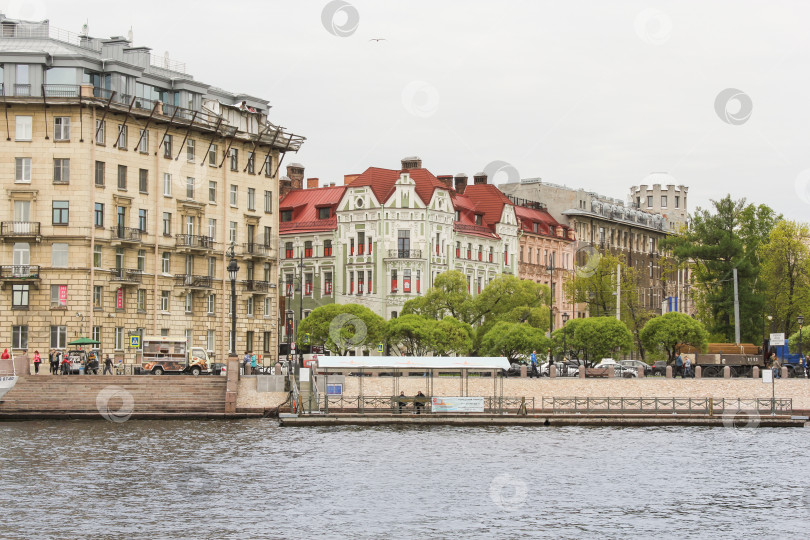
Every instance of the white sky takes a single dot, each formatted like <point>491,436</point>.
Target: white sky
<point>580,93</point>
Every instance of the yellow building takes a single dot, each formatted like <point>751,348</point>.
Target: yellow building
<point>126,182</point>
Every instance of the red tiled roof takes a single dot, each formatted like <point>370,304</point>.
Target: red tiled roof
<point>304,204</point>
<point>528,216</point>
<point>489,201</point>
<point>382,181</point>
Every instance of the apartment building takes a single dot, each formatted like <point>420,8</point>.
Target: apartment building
<point>129,187</point>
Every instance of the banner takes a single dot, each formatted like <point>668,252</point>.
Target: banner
<point>457,404</point>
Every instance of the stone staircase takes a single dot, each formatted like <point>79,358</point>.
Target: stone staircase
<point>142,396</point>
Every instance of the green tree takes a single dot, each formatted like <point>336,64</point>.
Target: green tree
<point>340,328</point>
<point>600,337</point>
<point>513,340</point>
<point>447,296</point>
<point>667,332</point>
<point>411,334</point>
<point>785,273</point>
<point>451,336</point>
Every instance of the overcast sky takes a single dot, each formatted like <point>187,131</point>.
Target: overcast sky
<point>589,94</point>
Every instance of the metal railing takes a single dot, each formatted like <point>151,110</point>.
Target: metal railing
<point>656,405</point>
<point>377,404</point>
<point>253,285</point>
<point>125,274</point>
<point>22,90</point>
<point>404,253</point>
<point>760,405</point>
<point>195,241</point>
<point>62,90</point>
<point>19,271</point>
<point>19,228</point>
<point>256,248</point>
<point>194,282</point>
<point>126,234</point>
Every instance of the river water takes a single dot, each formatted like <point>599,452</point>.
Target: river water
<point>254,479</point>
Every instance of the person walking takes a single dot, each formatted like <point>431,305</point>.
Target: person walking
<point>5,355</point>
<point>107,365</point>
<point>534,372</point>
<point>57,359</point>
<point>37,362</point>
<point>246,363</point>
<point>254,364</point>
<point>777,367</point>
<point>687,368</point>
<point>65,365</point>
<point>678,366</point>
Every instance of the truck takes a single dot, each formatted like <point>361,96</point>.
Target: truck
<point>741,358</point>
<point>164,354</point>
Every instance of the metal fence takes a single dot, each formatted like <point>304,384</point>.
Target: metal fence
<point>380,404</point>
<point>656,405</point>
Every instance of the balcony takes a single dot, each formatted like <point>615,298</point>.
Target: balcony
<point>62,90</point>
<point>20,229</point>
<point>22,90</point>
<point>404,253</point>
<point>127,235</point>
<point>194,242</point>
<point>255,250</point>
<point>20,273</point>
<point>125,275</point>
<point>256,286</point>
<point>189,281</point>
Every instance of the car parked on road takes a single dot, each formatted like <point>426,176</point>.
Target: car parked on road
<point>659,367</point>
<point>619,371</point>
<point>636,364</point>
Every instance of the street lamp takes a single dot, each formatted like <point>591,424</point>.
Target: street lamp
<point>800,318</point>
<point>233,269</point>
<point>565,345</point>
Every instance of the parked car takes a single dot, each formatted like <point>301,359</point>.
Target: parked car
<point>569,368</point>
<point>514,369</point>
<point>659,367</point>
<point>636,364</point>
<point>618,369</point>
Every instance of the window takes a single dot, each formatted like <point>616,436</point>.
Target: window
<point>122,137</point>
<point>250,164</point>
<point>167,185</point>
<point>268,236</point>
<point>249,340</point>
<point>98,215</point>
<point>143,181</point>
<point>308,284</point>
<point>251,196</point>
<point>406,281</point>
<point>59,255</point>
<point>212,303</point>
<point>101,127</point>
<point>369,289</point>
<point>141,299</point>
<point>23,127</point>
<point>351,282</point>
<point>234,155</point>
<point>190,188</point>
<point>286,215</point>
<point>209,341</point>
<point>469,250</point>
<point>288,250</point>
<point>167,146</point>
<point>234,195</point>
<point>393,281</point>
<point>61,212</point>
<point>677,201</point>
<point>663,201</point>
<point>164,300</point>
<point>100,169</point>
<point>97,256</point>
<point>22,170</point>
<point>249,306</point>
<point>327,248</point>
<point>418,280</point>
<point>212,155</point>
<point>19,337</point>
<point>232,232</point>
<point>404,244</point>
<point>167,223</point>
<point>61,128</point>
<point>96,335</point>
<point>98,296</point>
<point>58,337</point>
<point>288,281</point>
<point>308,248</point>
<point>19,296</point>
<point>61,171</point>
<point>143,147</point>
<point>212,266</point>
<point>327,283</point>
<point>323,213</point>
<point>458,250</point>
<point>212,192</point>
<point>141,260</point>
<point>267,312</point>
<point>212,229</point>
<point>119,338</point>
<point>166,262</point>
<point>649,201</point>
<point>361,243</point>
<point>58,296</point>
<point>351,246</point>
<point>268,162</point>
<point>122,177</point>
<point>142,220</point>
<point>188,304</point>
<point>266,342</point>
<point>190,150</point>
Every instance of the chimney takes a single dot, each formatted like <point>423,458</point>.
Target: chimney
<point>295,171</point>
<point>284,187</point>
<point>446,179</point>
<point>312,183</point>
<point>461,183</point>
<point>480,178</point>
<point>413,162</point>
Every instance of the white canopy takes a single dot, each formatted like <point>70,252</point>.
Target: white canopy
<point>414,362</point>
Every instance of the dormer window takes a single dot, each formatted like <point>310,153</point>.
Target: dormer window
<point>323,213</point>
<point>458,215</point>
<point>478,219</point>
<point>536,227</point>
<point>286,215</point>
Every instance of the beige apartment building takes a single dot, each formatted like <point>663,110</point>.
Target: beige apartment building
<point>126,182</point>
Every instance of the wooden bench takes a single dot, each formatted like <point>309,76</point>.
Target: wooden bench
<point>596,372</point>
<point>402,401</point>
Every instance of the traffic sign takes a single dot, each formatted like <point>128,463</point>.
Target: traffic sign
<point>292,346</point>
<point>306,338</point>
<point>777,339</point>
<point>380,347</point>
<point>135,341</point>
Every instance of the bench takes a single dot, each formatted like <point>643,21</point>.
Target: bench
<point>596,372</point>
<point>402,401</point>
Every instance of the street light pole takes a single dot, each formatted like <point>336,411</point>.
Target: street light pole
<point>550,269</point>
<point>800,318</point>
<point>233,270</point>
<point>565,330</point>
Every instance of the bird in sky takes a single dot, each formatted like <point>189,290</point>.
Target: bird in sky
<point>378,39</point>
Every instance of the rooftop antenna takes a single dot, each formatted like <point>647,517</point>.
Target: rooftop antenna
<point>86,29</point>
<point>166,59</point>
<point>129,34</point>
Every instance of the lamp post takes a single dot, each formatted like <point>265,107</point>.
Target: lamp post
<point>565,344</point>
<point>550,269</point>
<point>800,318</point>
<point>233,269</point>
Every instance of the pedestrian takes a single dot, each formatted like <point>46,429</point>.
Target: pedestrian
<point>401,401</point>
<point>550,361</point>
<point>5,355</point>
<point>51,358</point>
<point>37,362</point>
<point>777,367</point>
<point>687,368</point>
<point>57,359</point>
<point>254,363</point>
<point>678,366</point>
<point>107,365</point>
<point>419,403</point>
<point>246,363</point>
<point>65,365</point>
<point>534,372</point>
<point>804,364</point>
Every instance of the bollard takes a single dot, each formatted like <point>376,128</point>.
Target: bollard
<point>640,372</point>
<point>611,372</point>
<point>669,372</point>
<point>278,368</point>
<point>523,371</point>
<point>727,372</point>
<point>698,372</point>
<point>784,372</point>
<point>581,372</point>
<point>552,371</point>
<point>755,372</point>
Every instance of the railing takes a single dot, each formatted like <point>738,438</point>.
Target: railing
<point>62,90</point>
<point>125,274</point>
<point>404,253</point>
<point>620,405</point>
<point>194,282</point>
<point>195,241</point>
<point>479,229</point>
<point>19,271</point>
<point>255,248</point>
<point>492,404</point>
<point>19,228</point>
<point>126,234</point>
<point>253,285</point>
<point>23,90</point>
<point>759,405</point>
<point>40,31</point>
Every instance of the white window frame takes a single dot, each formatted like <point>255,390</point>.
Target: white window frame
<point>61,128</point>
<point>233,198</point>
<point>164,301</point>
<point>143,147</point>
<point>59,255</point>
<point>101,128</point>
<point>22,170</point>
<point>212,192</point>
<point>23,128</point>
<point>190,148</point>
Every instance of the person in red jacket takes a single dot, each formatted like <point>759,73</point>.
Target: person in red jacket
<point>37,362</point>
